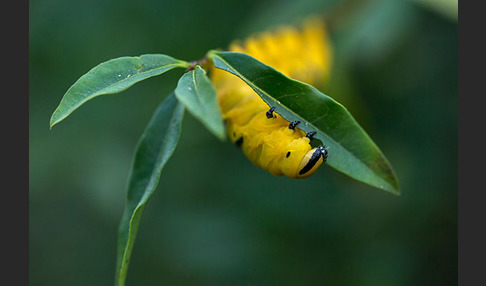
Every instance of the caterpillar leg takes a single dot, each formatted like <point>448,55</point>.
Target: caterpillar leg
<point>293,124</point>
<point>270,112</point>
<point>311,134</point>
<point>323,152</point>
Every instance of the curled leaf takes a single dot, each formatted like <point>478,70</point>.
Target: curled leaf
<point>351,150</point>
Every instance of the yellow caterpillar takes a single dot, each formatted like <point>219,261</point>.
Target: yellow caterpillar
<point>265,137</point>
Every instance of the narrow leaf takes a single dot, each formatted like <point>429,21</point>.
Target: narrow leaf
<point>111,77</point>
<point>351,150</point>
<point>154,149</point>
<point>195,90</point>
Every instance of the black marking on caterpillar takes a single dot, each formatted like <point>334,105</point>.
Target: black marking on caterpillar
<point>239,142</point>
<point>320,152</point>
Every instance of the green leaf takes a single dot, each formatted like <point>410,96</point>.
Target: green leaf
<point>154,149</point>
<point>195,90</point>
<point>351,150</point>
<point>111,77</point>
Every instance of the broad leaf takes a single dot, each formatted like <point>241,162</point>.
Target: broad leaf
<point>155,147</point>
<point>351,150</point>
<point>195,90</point>
<point>113,76</point>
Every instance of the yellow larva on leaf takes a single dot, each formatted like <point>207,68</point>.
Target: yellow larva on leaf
<point>265,137</point>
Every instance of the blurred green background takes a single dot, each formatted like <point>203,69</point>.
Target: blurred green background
<point>215,219</point>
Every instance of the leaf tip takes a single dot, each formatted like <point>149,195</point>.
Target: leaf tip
<point>54,120</point>
<point>217,130</point>
<point>222,136</point>
<point>393,188</point>
<point>395,184</point>
<point>52,123</point>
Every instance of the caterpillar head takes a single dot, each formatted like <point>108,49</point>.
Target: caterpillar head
<point>311,161</point>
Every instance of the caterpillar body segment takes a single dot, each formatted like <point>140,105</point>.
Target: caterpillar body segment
<point>269,142</point>
<point>265,137</point>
